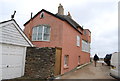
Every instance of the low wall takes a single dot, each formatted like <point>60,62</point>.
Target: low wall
<point>40,62</point>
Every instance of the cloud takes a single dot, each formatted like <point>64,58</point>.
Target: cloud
<point>100,16</point>
<point>102,20</point>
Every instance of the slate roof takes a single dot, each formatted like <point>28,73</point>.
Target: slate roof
<point>63,18</point>
<point>69,20</point>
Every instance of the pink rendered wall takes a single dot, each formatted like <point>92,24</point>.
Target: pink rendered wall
<point>61,35</point>
<point>70,48</point>
<point>55,33</point>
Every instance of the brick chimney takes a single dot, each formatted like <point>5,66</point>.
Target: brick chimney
<point>60,10</point>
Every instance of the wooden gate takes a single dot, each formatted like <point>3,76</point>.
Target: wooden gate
<point>58,61</point>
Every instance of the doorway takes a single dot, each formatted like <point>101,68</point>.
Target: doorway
<point>58,61</point>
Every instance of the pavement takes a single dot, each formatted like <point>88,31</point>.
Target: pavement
<point>90,72</point>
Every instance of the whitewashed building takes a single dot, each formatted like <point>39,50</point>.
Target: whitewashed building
<point>13,43</point>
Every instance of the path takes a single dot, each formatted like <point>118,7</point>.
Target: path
<point>90,72</point>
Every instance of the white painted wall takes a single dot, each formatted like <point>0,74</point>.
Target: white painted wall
<point>0,56</point>
<point>13,43</point>
<point>23,61</point>
<point>11,35</point>
<point>0,62</point>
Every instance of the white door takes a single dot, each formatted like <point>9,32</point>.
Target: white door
<point>12,61</point>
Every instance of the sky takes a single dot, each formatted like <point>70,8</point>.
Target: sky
<point>99,16</point>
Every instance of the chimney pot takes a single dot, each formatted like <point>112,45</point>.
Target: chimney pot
<point>69,15</point>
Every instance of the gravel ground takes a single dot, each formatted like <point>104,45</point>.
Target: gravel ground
<point>90,72</point>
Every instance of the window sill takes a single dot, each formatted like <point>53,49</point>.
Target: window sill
<point>78,64</point>
<point>40,40</point>
<point>66,67</point>
<point>78,46</point>
<point>85,51</point>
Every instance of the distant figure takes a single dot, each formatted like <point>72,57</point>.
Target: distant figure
<point>96,58</point>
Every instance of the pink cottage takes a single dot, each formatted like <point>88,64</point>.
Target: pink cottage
<point>60,31</point>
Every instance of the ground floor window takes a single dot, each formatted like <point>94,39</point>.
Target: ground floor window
<point>66,59</point>
<point>78,59</point>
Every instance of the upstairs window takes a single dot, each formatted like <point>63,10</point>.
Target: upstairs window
<point>85,32</point>
<point>41,33</point>
<point>42,15</point>
<point>78,41</point>
<point>85,46</point>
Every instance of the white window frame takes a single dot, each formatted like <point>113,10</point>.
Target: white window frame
<point>66,60</point>
<point>43,29</point>
<point>78,41</point>
<point>85,46</point>
<point>78,59</point>
<point>42,14</point>
<point>43,33</point>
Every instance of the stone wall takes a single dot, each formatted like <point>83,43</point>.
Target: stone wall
<point>40,62</point>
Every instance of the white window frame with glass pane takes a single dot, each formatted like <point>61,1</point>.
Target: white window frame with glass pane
<point>85,46</point>
<point>42,15</point>
<point>66,60</point>
<point>78,41</point>
<point>41,33</point>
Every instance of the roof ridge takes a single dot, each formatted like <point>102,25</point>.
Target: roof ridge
<point>62,17</point>
<point>6,21</point>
